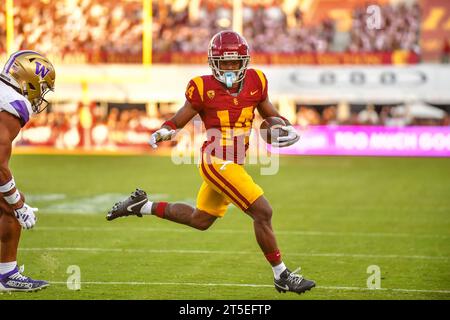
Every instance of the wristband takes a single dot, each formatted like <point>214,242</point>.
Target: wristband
<point>170,124</point>
<point>11,184</point>
<point>14,198</point>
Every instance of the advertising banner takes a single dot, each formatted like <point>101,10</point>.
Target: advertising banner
<point>372,141</point>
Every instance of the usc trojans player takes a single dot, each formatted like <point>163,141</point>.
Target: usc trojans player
<point>225,101</point>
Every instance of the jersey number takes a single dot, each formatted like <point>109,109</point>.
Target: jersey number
<point>241,127</point>
<point>190,91</point>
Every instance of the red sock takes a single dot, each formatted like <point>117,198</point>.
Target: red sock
<point>273,257</point>
<point>160,209</point>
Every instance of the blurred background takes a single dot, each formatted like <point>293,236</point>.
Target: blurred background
<point>356,77</point>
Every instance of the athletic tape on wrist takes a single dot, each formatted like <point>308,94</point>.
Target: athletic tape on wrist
<point>14,198</point>
<point>11,184</point>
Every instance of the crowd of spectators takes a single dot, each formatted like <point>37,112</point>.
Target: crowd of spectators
<point>137,119</point>
<point>264,26</point>
<point>395,28</point>
<point>96,28</point>
<point>2,27</point>
<point>69,127</point>
<point>126,119</point>
<point>70,27</point>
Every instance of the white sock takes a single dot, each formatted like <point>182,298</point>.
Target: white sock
<point>6,267</point>
<point>147,208</point>
<point>277,270</point>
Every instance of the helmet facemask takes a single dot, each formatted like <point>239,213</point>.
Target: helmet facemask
<point>226,76</point>
<point>38,103</point>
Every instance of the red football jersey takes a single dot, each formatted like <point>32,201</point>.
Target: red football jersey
<point>227,118</point>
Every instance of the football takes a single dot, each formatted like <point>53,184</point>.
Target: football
<point>270,129</point>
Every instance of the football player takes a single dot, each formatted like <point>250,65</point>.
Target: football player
<point>225,101</point>
<point>24,81</point>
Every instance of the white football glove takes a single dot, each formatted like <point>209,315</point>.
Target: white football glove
<point>288,140</point>
<point>25,216</point>
<point>162,134</point>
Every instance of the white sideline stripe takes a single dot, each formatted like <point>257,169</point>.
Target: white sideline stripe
<point>389,256</point>
<point>244,285</point>
<point>228,231</point>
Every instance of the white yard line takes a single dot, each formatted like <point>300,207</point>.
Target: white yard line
<point>249,231</point>
<point>132,283</point>
<point>164,251</point>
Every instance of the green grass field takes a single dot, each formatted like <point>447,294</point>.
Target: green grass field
<point>334,216</point>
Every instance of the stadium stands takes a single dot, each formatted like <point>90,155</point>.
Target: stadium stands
<point>111,31</point>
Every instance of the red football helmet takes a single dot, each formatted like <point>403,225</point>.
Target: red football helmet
<point>228,45</point>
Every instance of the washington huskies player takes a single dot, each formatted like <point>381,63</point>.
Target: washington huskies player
<point>24,81</point>
<point>225,101</point>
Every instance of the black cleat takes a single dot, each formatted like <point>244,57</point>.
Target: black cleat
<point>291,281</point>
<point>129,207</point>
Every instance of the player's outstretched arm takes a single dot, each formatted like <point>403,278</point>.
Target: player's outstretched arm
<point>178,121</point>
<point>266,109</point>
<point>9,129</point>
